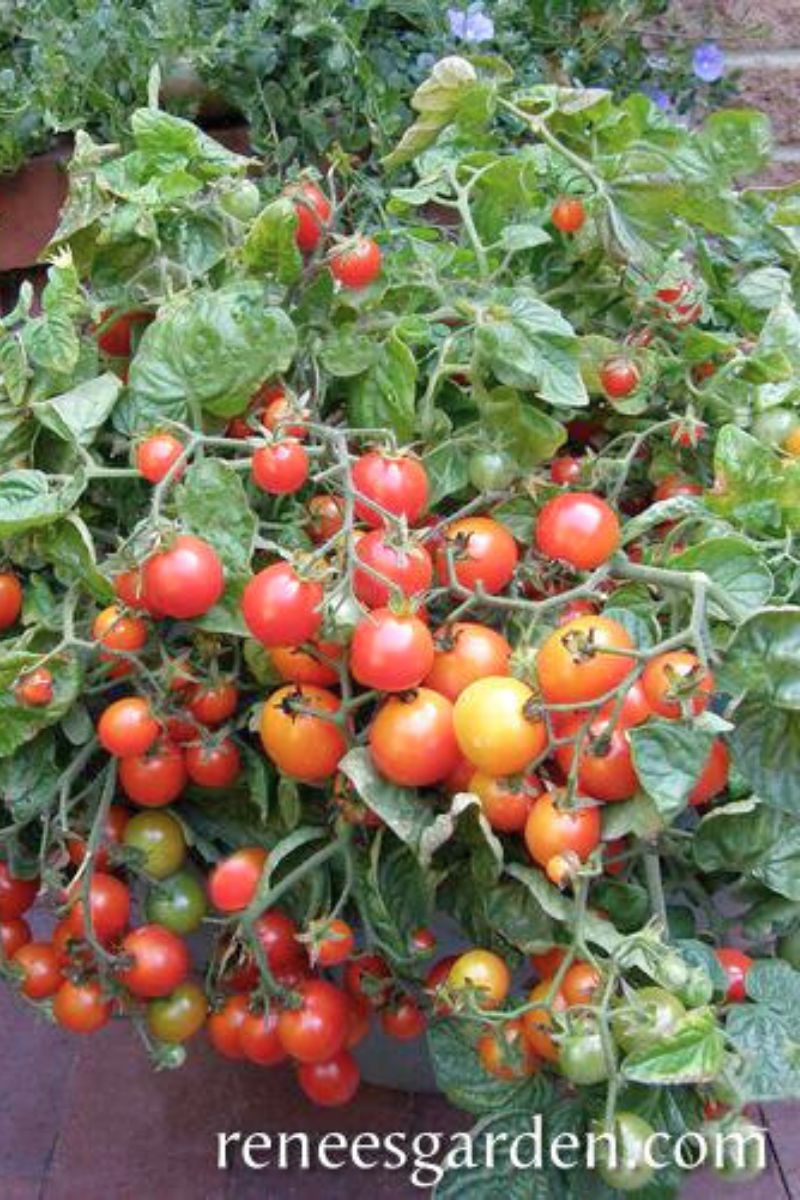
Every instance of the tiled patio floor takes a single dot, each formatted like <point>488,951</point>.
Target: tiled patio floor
<point>90,1120</point>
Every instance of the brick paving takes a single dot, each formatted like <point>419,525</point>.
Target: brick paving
<point>90,1120</point>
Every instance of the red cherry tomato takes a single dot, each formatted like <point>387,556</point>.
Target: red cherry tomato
<point>186,579</point>
<point>412,739</point>
<point>673,485</point>
<point>81,1007</point>
<point>117,335</point>
<point>605,763</point>
<point>505,1053</point>
<point>357,263</point>
<point>129,587</point>
<point>109,908</point>
<point>224,1027</point>
<point>571,665</point>
<point>280,608</point>
<point>35,689</point>
<point>551,831</point>
<point>280,411</point>
<point>278,935</point>
<point>156,778</point>
<point>466,651</point>
<point>581,983</point>
<point>714,776</point>
<point>397,483</point>
<point>577,528</point>
<point>568,214</point>
<point>369,978</point>
<point>258,1038</point>
<point>735,964</point>
<point>215,765</point>
<point>390,651</point>
<point>302,744</point>
<point>506,803</point>
<point>160,961</point>
<point>547,963</point>
<point>403,1020</point>
<point>301,666</point>
<point>674,678</point>
<point>116,631</point>
<point>156,455</point>
<point>333,1083</point>
<point>317,1028</point>
<point>281,467</point>
<point>232,883</point>
<point>313,211</point>
<point>13,934</point>
<point>619,377</point>
<point>335,945</point>
<point>10,599</point>
<point>482,551</point>
<point>41,970</point>
<point>213,704</point>
<point>406,568</point>
<point>325,517</point>
<point>565,470</point>
<point>127,727</point>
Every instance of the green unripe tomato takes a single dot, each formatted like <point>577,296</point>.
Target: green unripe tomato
<point>582,1059</point>
<point>650,1014</point>
<point>732,1160</point>
<point>632,1171</point>
<point>698,989</point>
<point>774,426</point>
<point>159,837</point>
<point>788,948</point>
<point>242,200</point>
<point>490,470</point>
<point>178,903</point>
<point>177,1017</point>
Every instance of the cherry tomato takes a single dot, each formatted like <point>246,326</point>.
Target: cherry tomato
<point>300,743</point>
<point>14,933</point>
<point>278,935</point>
<point>156,778</point>
<point>582,1059</point>
<point>214,704</point>
<point>565,470</point>
<point>619,377</point>
<point>313,211</point>
<point>317,1029</point>
<point>301,666</point>
<point>10,599</point>
<point>178,903</point>
<point>224,1027</point>
<point>179,1016</point>
<point>714,776</point>
<point>481,972</point>
<point>436,981</point>
<point>159,838</point>
<point>215,765</point>
<point>360,1014</point>
<point>675,677</point>
<point>482,551</point>
<point>403,1020</point>
<point>390,651</point>
<point>568,214</point>
<point>109,908</point>
<point>614,853</point>
<point>186,579</point>
<point>538,1022</point>
<point>505,1052</point>
<point>577,528</point>
<point>547,963</point>
<point>156,456</point>
<point>398,483</point>
<point>333,1083</point>
<point>325,517</point>
<point>605,763</point>
<point>127,727</point>
<point>735,964</point>
<point>552,831</point>
<point>41,971</point>
<point>368,978</point>
<point>117,333</point>
<point>791,444</point>
<point>35,689</point>
<point>233,882</point>
<point>129,587</point>
<point>423,941</point>
<point>412,739</point>
<point>506,803</point>
<point>116,631</point>
<point>571,664</point>
<point>280,411</point>
<point>496,726</point>
<point>335,945</point>
<point>160,961</point>
<point>280,468</point>
<point>81,1007</point>
<point>581,983</point>
<point>16,895</point>
<point>673,485</point>
<point>628,1167</point>
<point>356,263</point>
<point>406,568</point>
<point>280,608</point>
<point>259,1039</point>
<point>466,651</point>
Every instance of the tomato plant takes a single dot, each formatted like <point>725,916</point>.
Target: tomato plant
<point>405,574</point>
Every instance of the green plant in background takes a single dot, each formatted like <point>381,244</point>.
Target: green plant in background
<point>307,75</point>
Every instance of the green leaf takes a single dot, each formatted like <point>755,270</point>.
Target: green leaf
<point>513,424</point>
<point>562,908</point>
<point>28,501</point>
<point>763,658</point>
<point>79,414</point>
<point>400,808</point>
<point>51,341</point>
<point>29,782</point>
<point>737,140</point>
<point>385,394</point>
<point>68,545</point>
<point>518,917</point>
<point>465,820</point>
<point>14,367</point>
<point>523,236</point>
<point>20,723</point>
<point>735,565</point>
<point>212,503</point>
<point>485,1170</point>
<point>211,348</point>
<point>448,470</point>
<point>531,346</point>
<point>693,1053</point>
<point>766,750</point>
<point>270,245</point>
<point>754,487</point>
<point>767,1033</point>
<point>167,142</point>
<point>452,86</point>
<point>669,757</point>
<point>638,816</point>
<point>345,353</point>
<point>467,1085</point>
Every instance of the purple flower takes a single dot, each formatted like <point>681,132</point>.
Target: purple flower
<point>708,62</point>
<point>472,25</point>
<point>660,98</point>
